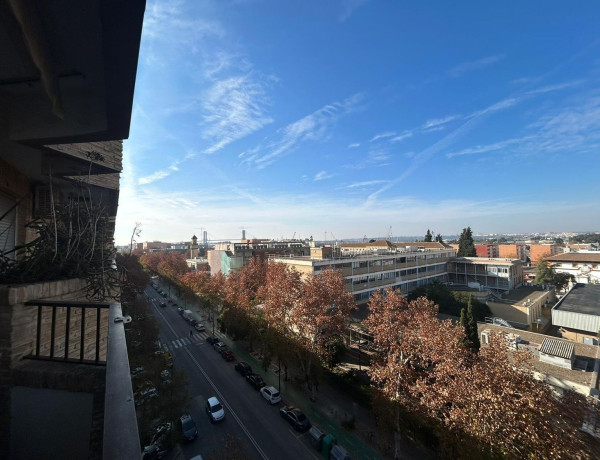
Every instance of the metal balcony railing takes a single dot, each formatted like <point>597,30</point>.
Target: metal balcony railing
<point>69,330</point>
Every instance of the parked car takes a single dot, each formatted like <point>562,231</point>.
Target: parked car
<point>136,371</point>
<point>199,327</point>
<point>271,394</point>
<point>295,417</point>
<point>180,310</point>
<point>227,355</point>
<point>154,451</point>
<point>214,409</point>
<point>165,376</point>
<point>188,427</point>
<point>255,380</point>
<point>212,340</point>
<point>220,347</point>
<point>243,368</point>
<point>163,305</point>
<point>175,304</point>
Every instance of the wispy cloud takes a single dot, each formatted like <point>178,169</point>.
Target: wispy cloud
<point>375,158</point>
<point>470,66</point>
<point>322,175</point>
<point>382,136</point>
<point>353,146</point>
<point>368,183</point>
<point>350,6</point>
<point>486,148</point>
<point>401,137</point>
<point>310,128</point>
<point>234,108</point>
<point>167,20</point>
<point>436,122</point>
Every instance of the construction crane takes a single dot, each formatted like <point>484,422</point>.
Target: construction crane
<point>389,235</point>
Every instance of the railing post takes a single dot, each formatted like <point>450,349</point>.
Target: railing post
<point>39,331</point>
<point>97,334</point>
<point>82,335</point>
<point>67,332</point>
<point>52,332</point>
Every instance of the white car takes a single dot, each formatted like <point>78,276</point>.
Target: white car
<point>214,409</point>
<point>271,394</point>
<point>199,327</point>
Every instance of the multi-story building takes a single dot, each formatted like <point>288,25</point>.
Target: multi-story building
<point>583,266</point>
<point>486,250</point>
<point>229,257</point>
<point>485,273</point>
<point>67,75</point>
<point>539,252</point>
<point>578,314</point>
<point>404,268</point>
<point>513,251</point>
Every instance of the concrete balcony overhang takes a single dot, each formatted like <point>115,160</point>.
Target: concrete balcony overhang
<point>68,69</point>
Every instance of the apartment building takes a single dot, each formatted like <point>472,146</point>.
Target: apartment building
<point>227,257</point>
<point>406,267</point>
<point>539,252</point>
<point>583,266</point>
<point>486,273</point>
<point>487,250</point>
<point>67,76</point>
<point>513,251</point>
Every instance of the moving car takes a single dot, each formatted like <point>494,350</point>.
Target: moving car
<point>163,305</point>
<point>199,327</point>
<point>220,347</point>
<point>227,355</point>
<point>214,409</point>
<point>188,427</point>
<point>243,368</point>
<point>295,417</point>
<point>271,394</point>
<point>255,380</point>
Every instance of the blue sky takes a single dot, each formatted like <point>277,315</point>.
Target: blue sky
<point>353,116</point>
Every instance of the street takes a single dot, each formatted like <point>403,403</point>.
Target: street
<point>251,424</point>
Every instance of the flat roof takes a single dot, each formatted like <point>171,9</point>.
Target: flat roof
<point>521,294</point>
<point>487,260</point>
<point>583,298</point>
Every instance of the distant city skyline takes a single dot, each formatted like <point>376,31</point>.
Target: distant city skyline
<point>351,117</point>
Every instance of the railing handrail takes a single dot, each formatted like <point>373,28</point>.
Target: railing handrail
<point>67,303</point>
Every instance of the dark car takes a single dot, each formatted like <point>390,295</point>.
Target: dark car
<point>227,355</point>
<point>295,417</point>
<point>220,347</point>
<point>243,368</point>
<point>212,340</point>
<point>188,427</point>
<point>163,305</point>
<point>255,380</point>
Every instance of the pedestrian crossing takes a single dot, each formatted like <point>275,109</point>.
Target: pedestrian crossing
<point>195,338</point>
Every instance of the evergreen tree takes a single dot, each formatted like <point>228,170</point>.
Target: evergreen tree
<point>545,273</point>
<point>428,236</point>
<point>439,239</point>
<point>475,344</point>
<point>466,245</point>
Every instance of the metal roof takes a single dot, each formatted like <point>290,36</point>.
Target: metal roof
<point>558,348</point>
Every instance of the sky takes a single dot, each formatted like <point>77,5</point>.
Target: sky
<point>341,119</point>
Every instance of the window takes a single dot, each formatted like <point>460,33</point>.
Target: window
<point>7,225</point>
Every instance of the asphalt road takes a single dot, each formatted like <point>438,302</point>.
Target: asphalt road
<point>251,423</point>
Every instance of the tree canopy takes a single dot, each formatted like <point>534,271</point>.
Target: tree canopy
<point>428,237</point>
<point>466,245</point>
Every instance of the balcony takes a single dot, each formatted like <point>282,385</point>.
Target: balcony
<point>68,375</point>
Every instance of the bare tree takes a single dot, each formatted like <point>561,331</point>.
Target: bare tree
<point>137,231</point>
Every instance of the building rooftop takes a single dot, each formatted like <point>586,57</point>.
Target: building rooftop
<point>521,294</point>
<point>590,257</point>
<point>583,298</point>
<point>487,260</point>
<point>558,348</point>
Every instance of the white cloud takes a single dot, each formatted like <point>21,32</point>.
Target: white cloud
<point>478,64</point>
<point>401,137</point>
<point>367,183</point>
<point>382,136</point>
<point>322,175</point>
<point>353,146</point>
<point>486,148</point>
<point>311,128</point>
<point>436,122</point>
<point>233,108</point>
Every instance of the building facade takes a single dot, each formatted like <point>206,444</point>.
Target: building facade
<point>486,273</point>
<point>486,250</point>
<point>583,266</point>
<point>398,268</point>
<point>513,251</point>
<point>539,252</point>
